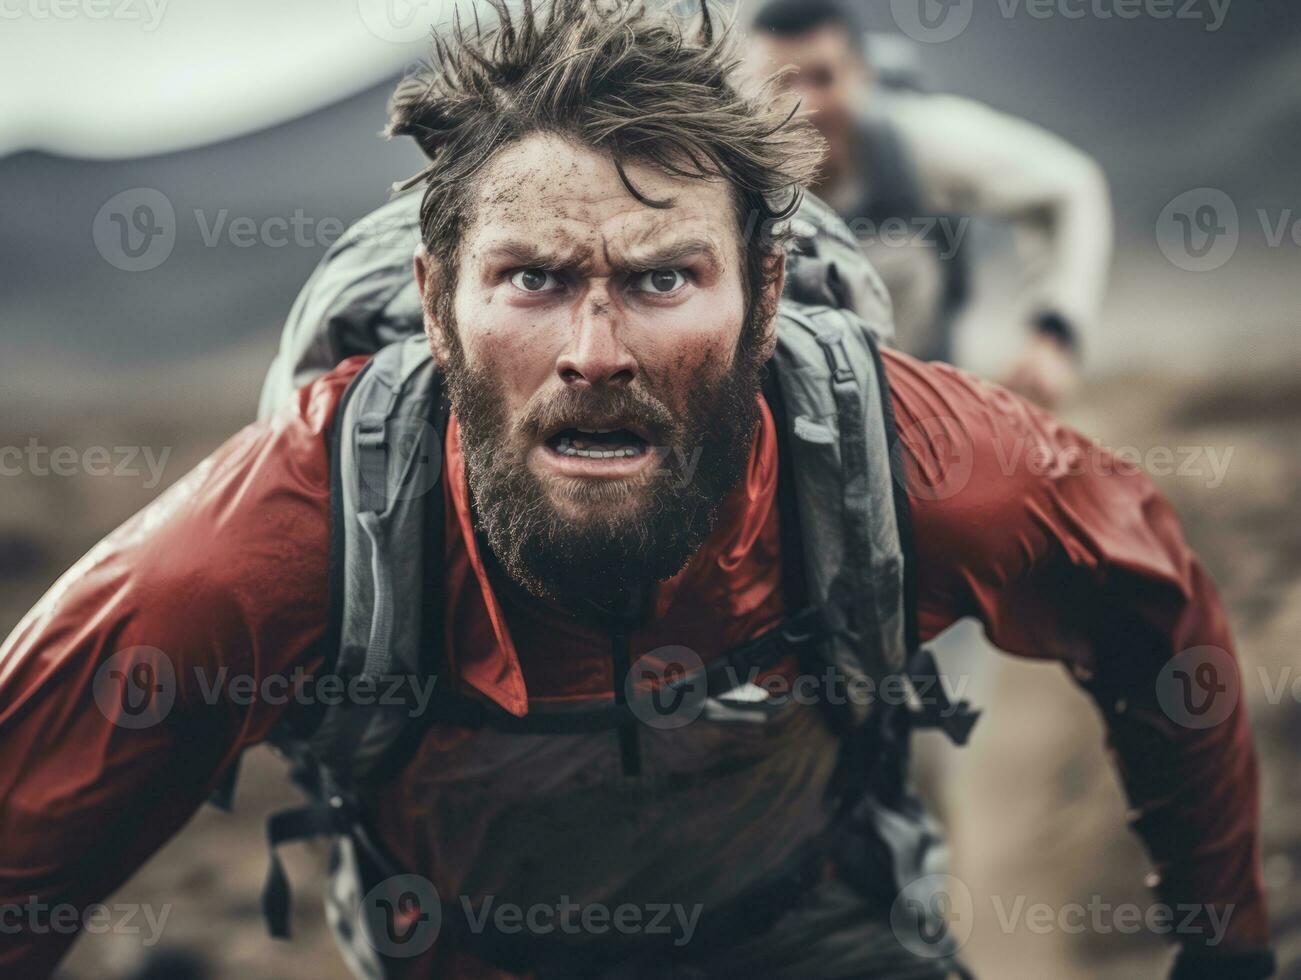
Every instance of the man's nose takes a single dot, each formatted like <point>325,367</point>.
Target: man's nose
<point>596,354</point>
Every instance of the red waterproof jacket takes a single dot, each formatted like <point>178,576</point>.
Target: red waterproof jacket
<point>1059,550</point>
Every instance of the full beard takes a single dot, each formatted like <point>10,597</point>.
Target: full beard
<point>601,540</point>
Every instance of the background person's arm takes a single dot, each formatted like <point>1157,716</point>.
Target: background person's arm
<point>115,719</point>
<point>1064,552</point>
<point>972,159</point>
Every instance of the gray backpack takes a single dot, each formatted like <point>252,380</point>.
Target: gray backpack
<point>845,534</point>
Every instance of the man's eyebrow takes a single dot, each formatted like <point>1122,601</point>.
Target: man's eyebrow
<point>528,254</point>
<point>662,256</point>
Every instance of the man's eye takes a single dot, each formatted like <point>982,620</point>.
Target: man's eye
<point>534,280</point>
<point>821,77</point>
<point>659,281</point>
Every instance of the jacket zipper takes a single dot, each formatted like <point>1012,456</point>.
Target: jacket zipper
<point>629,742</point>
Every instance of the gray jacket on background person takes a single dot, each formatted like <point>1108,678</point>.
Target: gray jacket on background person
<point>931,162</point>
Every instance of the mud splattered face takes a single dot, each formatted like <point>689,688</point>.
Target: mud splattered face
<point>601,363</point>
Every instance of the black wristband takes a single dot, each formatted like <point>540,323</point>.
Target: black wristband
<point>1059,328</point>
<point>1223,964</point>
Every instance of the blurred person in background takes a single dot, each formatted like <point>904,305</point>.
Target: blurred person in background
<point>906,170</point>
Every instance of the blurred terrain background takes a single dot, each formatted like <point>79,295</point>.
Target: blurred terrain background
<point>237,111</point>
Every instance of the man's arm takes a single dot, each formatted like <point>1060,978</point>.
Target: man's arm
<point>972,159</point>
<point>116,709</point>
<point>1064,552</point>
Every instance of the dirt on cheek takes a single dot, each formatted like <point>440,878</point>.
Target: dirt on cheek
<point>672,374</point>
<point>517,358</point>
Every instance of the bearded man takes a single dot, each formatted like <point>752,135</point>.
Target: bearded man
<point>626,467</point>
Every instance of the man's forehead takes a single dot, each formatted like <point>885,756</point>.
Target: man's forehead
<point>555,194</point>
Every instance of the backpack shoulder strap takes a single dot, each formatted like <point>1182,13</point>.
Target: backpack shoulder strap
<point>387,532</point>
<point>853,560</point>
<point>383,638</point>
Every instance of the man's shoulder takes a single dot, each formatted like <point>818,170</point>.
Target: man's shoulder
<point>311,411</point>
<point>977,459</point>
<point>253,517</point>
<point>227,566</point>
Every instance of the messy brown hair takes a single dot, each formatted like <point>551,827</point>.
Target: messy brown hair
<point>614,76</point>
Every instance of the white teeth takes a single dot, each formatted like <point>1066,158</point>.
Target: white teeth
<point>566,448</point>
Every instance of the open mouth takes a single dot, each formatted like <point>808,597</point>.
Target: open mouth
<point>579,443</point>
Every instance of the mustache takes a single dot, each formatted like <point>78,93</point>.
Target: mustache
<point>625,407</point>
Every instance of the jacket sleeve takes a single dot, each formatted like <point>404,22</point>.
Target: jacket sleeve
<point>1064,551</point>
<point>972,159</point>
<point>125,693</point>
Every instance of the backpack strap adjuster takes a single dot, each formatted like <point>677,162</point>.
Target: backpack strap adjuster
<point>371,446</point>
<point>833,346</point>
<point>295,824</point>
<point>937,711</point>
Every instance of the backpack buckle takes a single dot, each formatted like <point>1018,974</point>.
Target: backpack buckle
<point>801,628</point>
<point>833,346</point>
<point>371,433</point>
<point>371,442</point>
<point>954,719</point>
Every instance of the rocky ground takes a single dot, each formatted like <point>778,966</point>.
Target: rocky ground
<point>1035,809</point>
